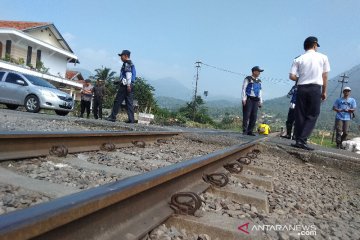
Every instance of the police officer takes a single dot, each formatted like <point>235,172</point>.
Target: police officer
<point>251,100</point>
<point>310,70</point>
<point>344,108</point>
<point>291,113</point>
<point>126,88</point>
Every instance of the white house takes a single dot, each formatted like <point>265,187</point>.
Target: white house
<point>39,49</point>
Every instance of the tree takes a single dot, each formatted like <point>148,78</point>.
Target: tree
<point>196,111</point>
<point>105,74</point>
<point>143,93</point>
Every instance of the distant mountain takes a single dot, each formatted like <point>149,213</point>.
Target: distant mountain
<point>216,108</point>
<point>279,106</point>
<point>169,87</point>
<point>170,103</point>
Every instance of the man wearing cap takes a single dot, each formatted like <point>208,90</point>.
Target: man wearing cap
<point>344,108</point>
<point>99,92</point>
<point>310,70</point>
<point>86,96</point>
<point>291,113</point>
<point>126,91</point>
<point>251,100</point>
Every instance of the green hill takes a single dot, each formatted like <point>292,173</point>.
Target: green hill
<point>279,106</point>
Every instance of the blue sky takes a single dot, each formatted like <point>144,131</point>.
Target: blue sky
<point>167,37</point>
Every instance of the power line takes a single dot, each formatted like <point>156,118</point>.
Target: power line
<point>276,80</point>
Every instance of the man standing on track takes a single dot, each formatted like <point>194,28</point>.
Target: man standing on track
<point>251,100</point>
<point>310,70</point>
<point>126,88</point>
<point>344,108</point>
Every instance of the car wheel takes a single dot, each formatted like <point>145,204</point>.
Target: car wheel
<point>12,106</point>
<point>32,104</point>
<point>61,113</point>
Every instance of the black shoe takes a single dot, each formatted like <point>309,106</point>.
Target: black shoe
<point>110,119</point>
<point>302,146</point>
<point>96,117</point>
<point>251,134</point>
<point>286,136</point>
<point>128,121</point>
<point>81,116</point>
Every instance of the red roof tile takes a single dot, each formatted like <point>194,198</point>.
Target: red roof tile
<point>20,25</point>
<point>71,74</point>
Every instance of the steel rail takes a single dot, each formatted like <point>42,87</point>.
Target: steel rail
<point>126,209</point>
<point>19,145</point>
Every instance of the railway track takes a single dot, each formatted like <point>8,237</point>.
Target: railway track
<point>126,209</point>
<point>17,145</point>
<point>206,197</point>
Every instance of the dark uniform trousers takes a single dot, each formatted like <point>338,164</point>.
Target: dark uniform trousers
<point>122,95</point>
<point>307,110</point>
<point>290,121</point>
<point>97,107</point>
<point>250,114</point>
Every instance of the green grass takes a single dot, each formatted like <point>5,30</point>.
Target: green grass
<point>325,142</point>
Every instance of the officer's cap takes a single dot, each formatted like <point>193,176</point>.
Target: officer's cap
<point>310,40</point>
<point>347,88</point>
<point>257,68</point>
<point>125,52</point>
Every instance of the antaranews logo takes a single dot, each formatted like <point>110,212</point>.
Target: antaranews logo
<point>302,230</point>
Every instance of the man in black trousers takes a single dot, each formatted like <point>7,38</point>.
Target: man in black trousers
<point>310,70</point>
<point>126,88</point>
<point>251,100</point>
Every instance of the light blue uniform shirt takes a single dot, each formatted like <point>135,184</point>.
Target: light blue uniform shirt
<point>344,104</point>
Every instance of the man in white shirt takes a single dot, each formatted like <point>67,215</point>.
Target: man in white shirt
<point>311,71</point>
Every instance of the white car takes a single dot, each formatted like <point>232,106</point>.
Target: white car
<point>33,93</point>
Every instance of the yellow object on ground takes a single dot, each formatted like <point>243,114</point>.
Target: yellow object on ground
<point>264,129</point>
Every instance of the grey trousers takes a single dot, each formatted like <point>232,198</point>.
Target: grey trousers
<point>342,127</point>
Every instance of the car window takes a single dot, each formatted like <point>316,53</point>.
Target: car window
<point>39,81</point>
<point>12,77</point>
<point>1,75</point>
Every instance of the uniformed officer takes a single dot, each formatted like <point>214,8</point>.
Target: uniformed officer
<point>291,113</point>
<point>344,108</point>
<point>310,70</point>
<point>251,100</point>
<point>126,88</point>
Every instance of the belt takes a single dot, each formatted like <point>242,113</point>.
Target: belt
<point>253,98</point>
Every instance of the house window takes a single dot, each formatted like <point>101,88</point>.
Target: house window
<point>8,47</point>
<point>28,58</point>
<point>38,58</point>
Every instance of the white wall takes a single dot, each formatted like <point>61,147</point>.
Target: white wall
<point>46,35</point>
<point>56,63</point>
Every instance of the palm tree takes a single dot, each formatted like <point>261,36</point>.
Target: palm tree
<point>105,74</point>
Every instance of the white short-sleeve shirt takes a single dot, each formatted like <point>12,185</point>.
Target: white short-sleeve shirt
<point>309,67</point>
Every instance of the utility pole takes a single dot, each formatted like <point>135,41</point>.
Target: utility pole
<point>198,63</point>
<point>343,80</point>
<point>197,77</point>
